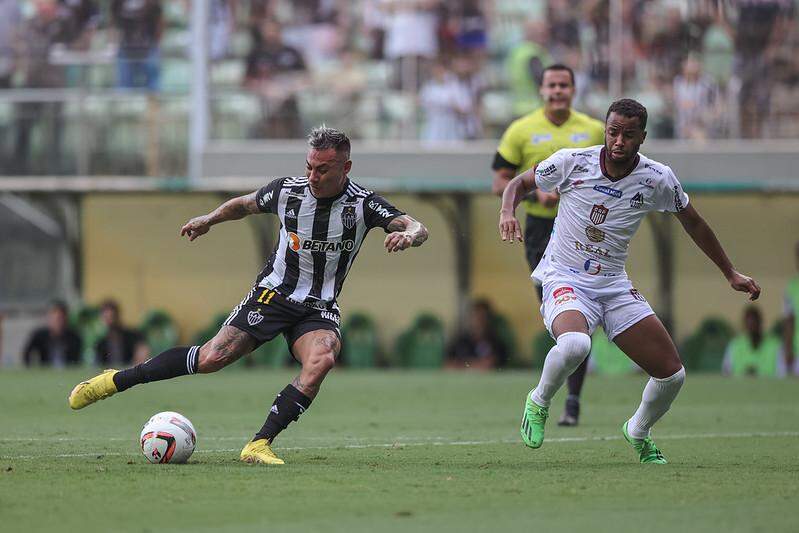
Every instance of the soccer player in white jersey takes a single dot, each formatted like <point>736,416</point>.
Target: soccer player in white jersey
<point>605,193</point>
<point>324,218</point>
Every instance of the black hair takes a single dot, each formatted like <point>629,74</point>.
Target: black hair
<point>557,66</point>
<point>61,305</point>
<point>324,138</point>
<point>629,108</point>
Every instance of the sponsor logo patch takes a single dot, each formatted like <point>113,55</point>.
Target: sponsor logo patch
<point>546,171</point>
<point>579,169</point>
<point>579,137</point>
<point>591,249</point>
<point>541,137</point>
<point>592,266</point>
<point>265,199</point>
<point>637,201</point>
<point>678,199</point>
<point>653,169</point>
<point>333,317</point>
<point>379,209</point>
<point>637,295</point>
<point>254,317</point>
<point>594,234</point>
<point>291,214</point>
<point>598,214</point>
<point>348,217</point>
<point>608,190</point>
<point>311,245</point>
<point>560,291</point>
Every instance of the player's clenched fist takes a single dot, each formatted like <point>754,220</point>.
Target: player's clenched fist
<point>397,241</point>
<point>195,227</point>
<point>509,228</point>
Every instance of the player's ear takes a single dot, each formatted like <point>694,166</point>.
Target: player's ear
<point>348,166</point>
<point>643,136</point>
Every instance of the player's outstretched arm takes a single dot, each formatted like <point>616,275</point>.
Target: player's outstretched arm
<point>405,232</point>
<point>518,187</point>
<point>233,209</point>
<point>706,240</point>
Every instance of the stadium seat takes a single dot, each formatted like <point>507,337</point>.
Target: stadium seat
<point>160,331</point>
<point>704,349</point>
<point>423,344</point>
<point>360,342</point>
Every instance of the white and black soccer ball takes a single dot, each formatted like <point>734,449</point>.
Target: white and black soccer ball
<point>168,437</point>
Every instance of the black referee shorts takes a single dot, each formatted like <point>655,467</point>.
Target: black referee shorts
<point>537,231</point>
<point>265,313</point>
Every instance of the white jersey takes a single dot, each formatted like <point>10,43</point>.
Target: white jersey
<point>598,215</point>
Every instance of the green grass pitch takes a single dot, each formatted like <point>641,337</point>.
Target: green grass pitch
<point>399,451</point>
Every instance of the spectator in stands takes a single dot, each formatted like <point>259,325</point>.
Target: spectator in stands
<point>314,30</point>
<point>760,28</point>
<point>479,346</point>
<point>80,19</point>
<point>753,352</point>
<point>120,345</point>
<point>10,26</point>
<point>447,104</point>
<point>56,344</point>
<point>36,40</point>
<point>221,25</point>
<point>140,24</point>
<point>276,72</point>
<point>696,99</point>
<point>790,330</point>
<point>525,65</point>
<point>411,41</point>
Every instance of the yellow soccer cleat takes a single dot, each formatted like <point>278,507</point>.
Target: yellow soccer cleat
<point>98,388</point>
<point>259,451</point>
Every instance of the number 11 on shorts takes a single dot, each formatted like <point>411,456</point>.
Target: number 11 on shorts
<point>266,296</point>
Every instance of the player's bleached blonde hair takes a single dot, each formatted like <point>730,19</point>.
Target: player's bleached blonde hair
<point>324,138</point>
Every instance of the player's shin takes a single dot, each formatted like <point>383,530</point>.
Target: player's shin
<point>172,363</point>
<point>655,402</point>
<point>567,354</point>
<point>289,404</point>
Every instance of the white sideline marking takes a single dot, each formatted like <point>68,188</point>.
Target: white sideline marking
<point>436,441</point>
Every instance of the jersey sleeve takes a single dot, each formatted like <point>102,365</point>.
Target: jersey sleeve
<point>671,197</point>
<point>378,212</point>
<point>509,147</point>
<point>549,173</point>
<point>267,196</point>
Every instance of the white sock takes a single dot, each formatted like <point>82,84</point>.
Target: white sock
<point>656,400</point>
<point>570,350</point>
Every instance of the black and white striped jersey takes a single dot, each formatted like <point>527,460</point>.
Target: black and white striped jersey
<point>319,237</point>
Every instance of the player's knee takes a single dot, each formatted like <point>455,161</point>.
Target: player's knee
<point>320,363</point>
<point>212,358</point>
<point>575,346</point>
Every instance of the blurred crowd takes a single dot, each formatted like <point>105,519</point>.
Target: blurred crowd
<point>437,70</point>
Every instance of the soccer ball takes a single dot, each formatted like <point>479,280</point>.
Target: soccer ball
<point>168,437</point>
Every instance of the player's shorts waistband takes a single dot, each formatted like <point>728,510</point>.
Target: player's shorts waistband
<point>317,304</point>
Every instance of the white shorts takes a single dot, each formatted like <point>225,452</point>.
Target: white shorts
<point>611,302</point>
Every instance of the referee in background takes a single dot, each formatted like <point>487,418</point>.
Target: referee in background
<point>528,141</point>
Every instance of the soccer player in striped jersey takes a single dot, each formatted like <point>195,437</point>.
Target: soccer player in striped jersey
<point>324,218</point>
<point>606,191</point>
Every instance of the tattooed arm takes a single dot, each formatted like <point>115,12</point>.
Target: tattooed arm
<point>405,232</point>
<point>233,209</point>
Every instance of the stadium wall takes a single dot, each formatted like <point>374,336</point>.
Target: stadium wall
<point>132,251</point>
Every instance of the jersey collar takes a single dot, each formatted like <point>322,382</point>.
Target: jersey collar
<point>605,172</point>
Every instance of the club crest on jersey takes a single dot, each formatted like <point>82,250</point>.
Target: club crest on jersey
<point>254,317</point>
<point>598,214</point>
<point>608,190</point>
<point>348,217</point>
<point>637,201</point>
<point>594,234</point>
<point>647,182</point>
<point>592,266</point>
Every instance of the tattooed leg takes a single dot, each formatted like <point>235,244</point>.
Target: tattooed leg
<point>317,352</point>
<point>225,348</point>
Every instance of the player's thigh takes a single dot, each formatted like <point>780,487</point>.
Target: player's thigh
<point>227,346</point>
<point>567,308</point>
<point>649,345</point>
<point>568,322</point>
<point>316,339</point>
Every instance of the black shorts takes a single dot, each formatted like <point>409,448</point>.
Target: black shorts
<point>537,231</point>
<point>265,313</point>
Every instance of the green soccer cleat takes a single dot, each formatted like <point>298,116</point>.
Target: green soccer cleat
<point>533,420</point>
<point>647,451</point>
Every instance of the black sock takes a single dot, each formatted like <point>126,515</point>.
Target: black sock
<point>575,381</point>
<point>289,404</point>
<point>172,363</point>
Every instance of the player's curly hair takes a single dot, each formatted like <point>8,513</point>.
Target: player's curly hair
<point>324,138</point>
<point>627,107</point>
